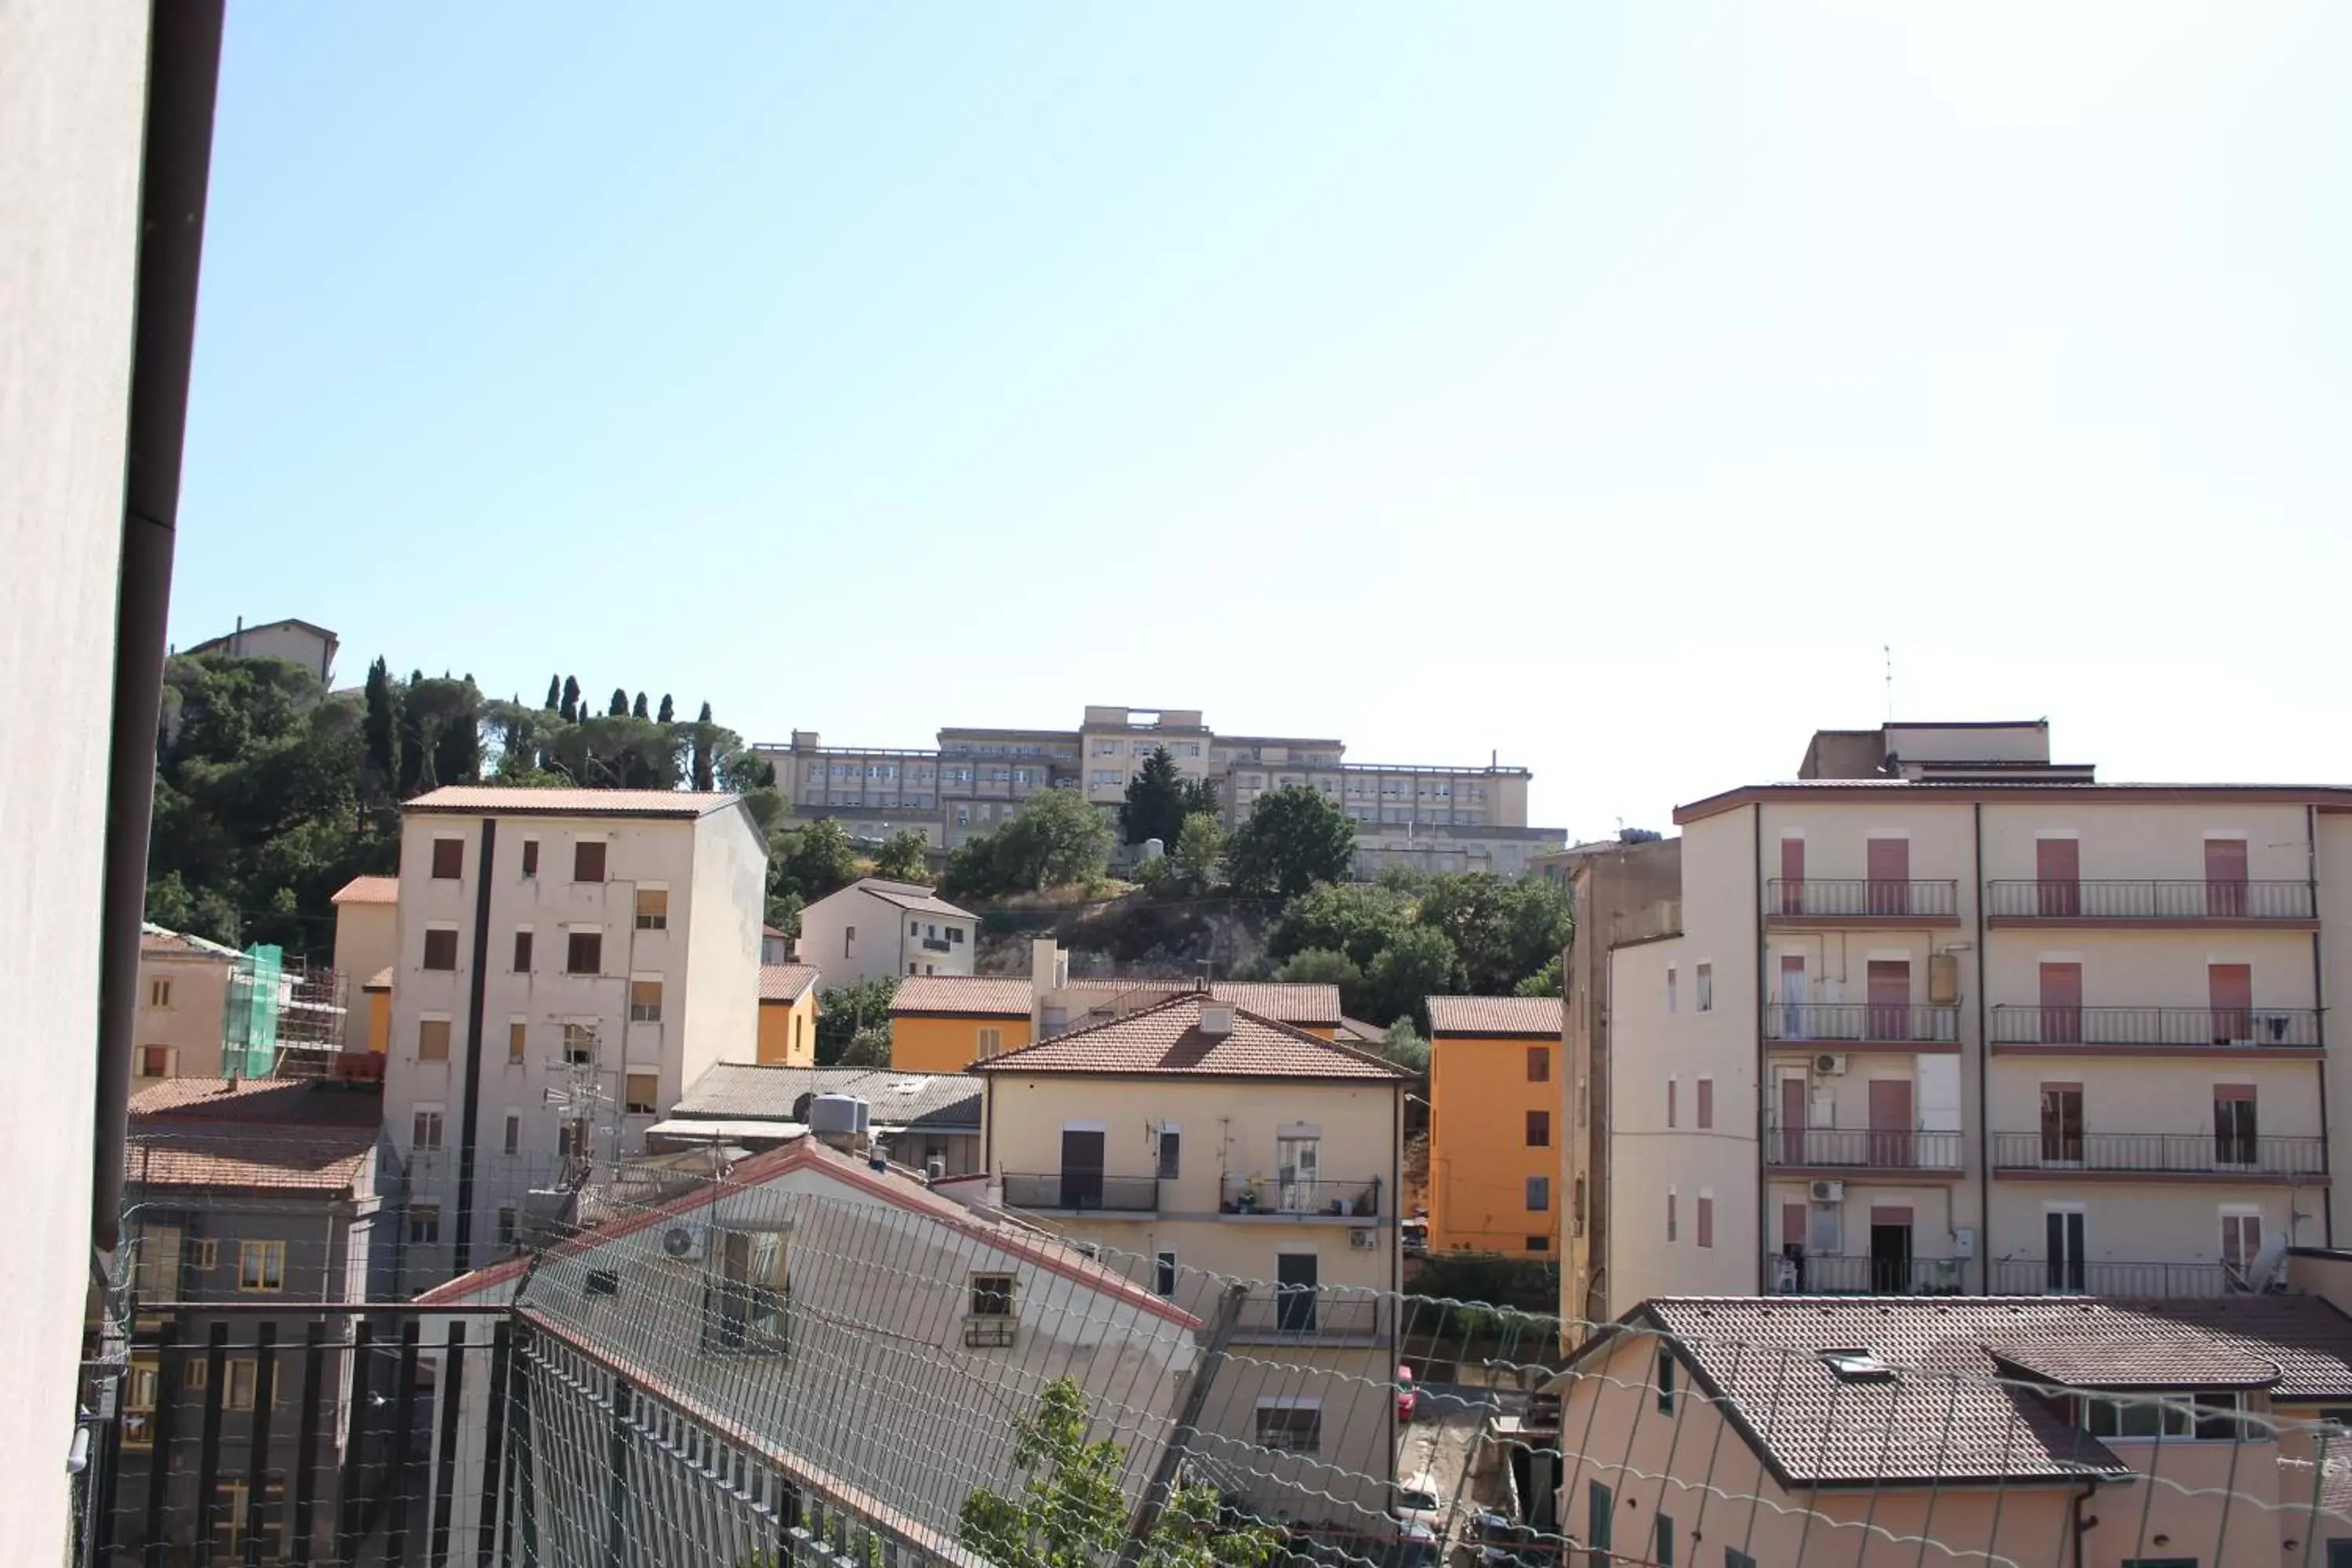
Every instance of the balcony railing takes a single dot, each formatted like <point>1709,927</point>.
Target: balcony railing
<point>2160,1153</point>
<point>2148,901</point>
<point>2143,1281</point>
<point>1856,898</point>
<point>1082,1192</point>
<point>1863,1148</point>
<point>1821,1274</point>
<point>1302,1310</point>
<point>1273,1195</point>
<point>1829,1023</point>
<point>938,944</point>
<point>2249,1026</point>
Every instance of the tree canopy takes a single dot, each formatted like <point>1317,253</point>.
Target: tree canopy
<point>1055,839</point>
<point>1160,798</point>
<point>1292,838</point>
<point>905,856</point>
<point>1493,937</point>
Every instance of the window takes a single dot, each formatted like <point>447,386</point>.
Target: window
<point>1290,1426</point>
<point>2205,1418</point>
<point>1666,1380</point>
<point>513,1143</point>
<point>441,947</point>
<point>1707,1102</point>
<point>572,1141</point>
<point>1599,1517</point>
<point>522,951</point>
<point>743,1307</point>
<point>1538,1195</point>
<point>1670,991</point>
<point>159,994</point>
<point>848,942</point>
<point>1576,1213</point>
<point>424,1224</point>
<point>584,951</point>
<point>1703,983</point>
<point>448,859</point>
<point>1539,1244</point>
<point>506,1227</point>
<point>1735,1558</point>
<point>1665,1555</point>
<point>195,1374</point>
<point>652,909</point>
<point>2241,1239</point>
<point>1673,1089</point>
<point>240,1383</point>
<point>1539,1128</point>
<point>426,1131</point>
<point>140,1385</point>
<point>261,1265</point>
<point>914,928</point>
<point>642,1088</point>
<point>432,1039</point>
<point>2234,1124</point>
<point>955,934</point>
<point>579,1044</point>
<point>992,1320</point>
<point>992,1040</point>
<point>531,857</point>
<point>645,1001</point>
<point>516,1034</point>
<point>154,1061</point>
<point>1163,1273</point>
<point>1538,1064</point>
<point>588,860</point>
<point>1670,1214</point>
<point>1707,1219</point>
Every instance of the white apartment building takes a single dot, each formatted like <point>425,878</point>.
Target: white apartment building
<point>568,961</point>
<point>876,927</point>
<point>1943,1016</point>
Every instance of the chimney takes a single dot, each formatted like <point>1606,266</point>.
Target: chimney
<point>1216,1019</point>
<point>1049,967</point>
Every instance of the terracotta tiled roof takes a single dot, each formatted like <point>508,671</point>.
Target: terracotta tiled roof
<point>1288,1002</point>
<point>281,1134</point>
<point>1529,1015</point>
<point>283,1101</point>
<point>961,996</point>
<point>370,890</point>
<point>1167,1040</point>
<point>379,980</point>
<point>786,981</point>
<point>476,800</point>
<point>2122,1361</point>
<point>162,943</point>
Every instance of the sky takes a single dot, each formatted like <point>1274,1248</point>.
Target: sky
<point>1619,390</point>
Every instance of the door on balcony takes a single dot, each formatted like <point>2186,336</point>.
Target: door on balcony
<point>1889,862</point>
<point>1792,1121</point>
<point>2230,988</point>
<point>2061,1124</point>
<point>2062,1244</point>
<point>2241,1238</point>
<point>1793,997</point>
<point>2225,878</point>
<point>2058,877</point>
<point>1892,1137</point>
<point>1082,1168</point>
<point>1791,1276</point>
<point>1298,1165</point>
<point>1296,1277</point>
<point>1890,1250</point>
<point>1890,997</point>
<point>1792,876</point>
<point>2061,1005</point>
<point>2233,1125</point>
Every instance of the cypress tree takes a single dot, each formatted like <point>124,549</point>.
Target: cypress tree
<point>637,710</point>
<point>554,694</point>
<point>571,708</point>
<point>619,707</point>
<point>382,725</point>
<point>668,714</point>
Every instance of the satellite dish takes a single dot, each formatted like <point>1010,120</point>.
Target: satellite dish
<point>2270,1261</point>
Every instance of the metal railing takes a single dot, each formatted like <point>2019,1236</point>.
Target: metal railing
<point>2144,1282</point>
<point>1832,1022</point>
<point>2248,1027</point>
<point>1306,1310</point>
<point>938,944</point>
<point>2157,1154</point>
<point>1863,1148</point>
<point>2107,900</point>
<point>1078,1192</point>
<point>1275,1195</point>
<point>1818,1274</point>
<point>1840,898</point>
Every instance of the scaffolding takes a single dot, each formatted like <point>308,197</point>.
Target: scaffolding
<point>280,1017</point>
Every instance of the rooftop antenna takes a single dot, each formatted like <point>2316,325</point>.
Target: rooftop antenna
<point>1886,651</point>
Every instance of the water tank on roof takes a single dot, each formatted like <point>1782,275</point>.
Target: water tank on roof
<point>837,1113</point>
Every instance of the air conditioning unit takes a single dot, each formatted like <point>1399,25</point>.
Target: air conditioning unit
<point>688,1243</point>
<point>1830,1064</point>
<point>1364,1240</point>
<point>1829,1192</point>
<point>936,1168</point>
<point>1091,1248</point>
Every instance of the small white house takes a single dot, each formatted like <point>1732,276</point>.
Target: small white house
<point>873,928</point>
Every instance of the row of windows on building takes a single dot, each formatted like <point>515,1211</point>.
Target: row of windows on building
<point>588,860</point>
<point>583,949</point>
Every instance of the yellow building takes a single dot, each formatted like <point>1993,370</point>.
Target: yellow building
<point>1494,1138</point>
<point>944,1023</point>
<point>378,992</point>
<point>788,1014</point>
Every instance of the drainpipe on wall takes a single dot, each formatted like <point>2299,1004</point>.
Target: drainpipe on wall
<point>2319,1003</point>
<point>1984,1069</point>
<point>1763,1053</point>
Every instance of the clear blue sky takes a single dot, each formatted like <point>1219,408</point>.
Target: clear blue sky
<point>1603,385</point>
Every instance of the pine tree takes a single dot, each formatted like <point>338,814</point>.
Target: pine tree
<point>619,707</point>
<point>638,708</point>
<point>554,693</point>
<point>668,714</point>
<point>571,706</point>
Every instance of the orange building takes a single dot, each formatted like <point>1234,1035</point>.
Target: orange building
<point>1494,1133</point>
<point>944,1023</point>
<point>787,1014</point>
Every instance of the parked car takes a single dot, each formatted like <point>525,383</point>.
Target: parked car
<point>1419,1501</point>
<point>1407,1395</point>
<point>1503,1542</point>
<point>1414,1234</point>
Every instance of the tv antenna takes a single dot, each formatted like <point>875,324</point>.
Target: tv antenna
<point>1887,652</point>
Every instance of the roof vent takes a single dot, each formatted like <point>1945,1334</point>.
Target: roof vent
<point>1216,1019</point>
<point>1857,1366</point>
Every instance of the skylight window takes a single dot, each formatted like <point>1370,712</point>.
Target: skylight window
<point>1857,1366</point>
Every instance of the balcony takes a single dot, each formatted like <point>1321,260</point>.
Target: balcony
<point>2138,1281</point>
<point>2158,1155</point>
<point>1860,901</point>
<point>938,944</point>
<point>1862,1024</point>
<point>1082,1192</point>
<point>1279,1315</point>
<point>1816,1274</point>
<point>1856,1149</point>
<point>1245,1197</point>
<point>2065,1030</point>
<point>2150,904</point>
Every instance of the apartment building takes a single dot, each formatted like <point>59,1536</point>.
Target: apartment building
<point>569,962</point>
<point>1495,1131</point>
<point>1194,1140</point>
<point>297,642</point>
<point>788,1014</point>
<point>874,928</point>
<point>367,940</point>
<point>1944,1016</point>
<point>183,984</point>
<point>1470,817</point>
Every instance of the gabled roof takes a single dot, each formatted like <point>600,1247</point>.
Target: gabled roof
<point>160,941</point>
<point>1285,1001</point>
<point>961,996</point>
<point>786,981</point>
<point>740,1091</point>
<point>269,1134</point>
<point>369,890</point>
<point>1167,1041</point>
<point>1532,1016</point>
<point>481,800</point>
<point>379,980</point>
<point>209,644</point>
<point>912,897</point>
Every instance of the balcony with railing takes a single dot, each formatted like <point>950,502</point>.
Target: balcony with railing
<point>2143,902</point>
<point>2061,1152</point>
<point>1816,1274</point>
<point>1835,1150</point>
<point>1274,1197</point>
<point>1081,1192</point>
<point>2066,1029</point>
<point>1279,1314</point>
<point>2136,1282</point>
<point>938,944</point>
<point>1862,1023</point>
<point>1860,901</point>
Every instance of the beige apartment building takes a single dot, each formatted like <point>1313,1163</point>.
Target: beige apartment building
<point>367,940</point>
<point>875,928</point>
<point>1945,1016</point>
<point>183,1002</point>
<point>568,961</point>
<point>1426,817</point>
<point>1195,1142</point>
